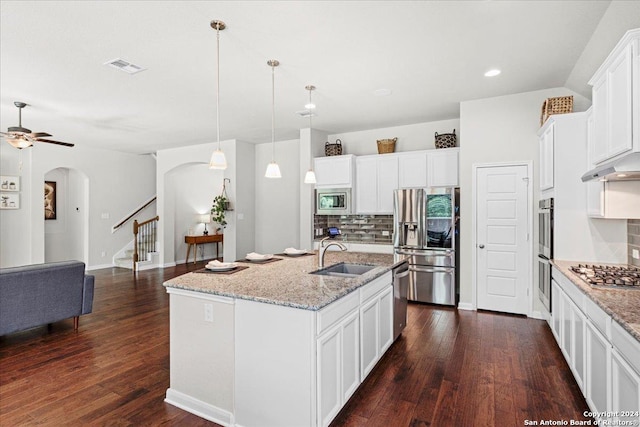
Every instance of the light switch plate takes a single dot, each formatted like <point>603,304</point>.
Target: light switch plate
<point>635,254</point>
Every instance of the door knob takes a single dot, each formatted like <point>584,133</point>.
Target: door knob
<point>481,246</point>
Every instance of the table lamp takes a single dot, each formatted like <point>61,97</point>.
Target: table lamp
<point>204,219</point>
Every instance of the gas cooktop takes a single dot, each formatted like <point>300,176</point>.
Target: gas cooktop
<point>608,276</point>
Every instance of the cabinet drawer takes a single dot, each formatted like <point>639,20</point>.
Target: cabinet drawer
<point>574,293</point>
<point>375,286</point>
<point>626,344</point>
<point>598,317</point>
<point>331,314</point>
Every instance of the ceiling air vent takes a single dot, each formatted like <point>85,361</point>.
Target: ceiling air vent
<point>125,66</point>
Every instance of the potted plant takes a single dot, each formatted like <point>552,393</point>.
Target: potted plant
<point>220,204</point>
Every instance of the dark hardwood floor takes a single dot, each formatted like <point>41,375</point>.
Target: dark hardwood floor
<point>449,368</point>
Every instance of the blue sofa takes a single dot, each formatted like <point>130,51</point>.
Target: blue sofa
<point>38,294</point>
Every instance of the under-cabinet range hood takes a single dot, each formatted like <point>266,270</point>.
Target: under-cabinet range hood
<point>626,168</point>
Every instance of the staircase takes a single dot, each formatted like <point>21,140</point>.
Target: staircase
<point>125,260</point>
<point>140,253</point>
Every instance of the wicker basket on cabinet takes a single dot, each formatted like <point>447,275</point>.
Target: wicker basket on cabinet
<point>558,105</point>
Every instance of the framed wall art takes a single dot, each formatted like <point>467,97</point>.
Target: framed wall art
<point>9,201</point>
<point>50,200</point>
<point>9,183</point>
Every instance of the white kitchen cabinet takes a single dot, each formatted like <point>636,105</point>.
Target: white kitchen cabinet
<point>556,311</point>
<point>616,101</point>
<point>546,154</point>
<point>334,171</point>
<point>412,169</point>
<point>578,343</point>
<point>568,325</point>
<point>329,375</point>
<point>625,389</point>
<point>598,369</point>
<point>376,178</point>
<point>376,329</point>
<point>338,370</point>
<point>442,167</point>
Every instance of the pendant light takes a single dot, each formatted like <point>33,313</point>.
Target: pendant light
<point>310,176</point>
<point>218,159</point>
<point>273,170</point>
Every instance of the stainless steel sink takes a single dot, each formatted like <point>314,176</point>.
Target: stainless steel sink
<point>344,270</point>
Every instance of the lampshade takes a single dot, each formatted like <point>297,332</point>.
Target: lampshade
<point>273,171</point>
<point>19,142</point>
<point>204,219</point>
<point>310,177</point>
<point>218,160</point>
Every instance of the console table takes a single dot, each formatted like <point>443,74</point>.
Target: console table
<point>199,240</point>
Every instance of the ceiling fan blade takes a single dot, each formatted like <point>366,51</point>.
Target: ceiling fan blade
<point>39,134</point>
<point>50,141</point>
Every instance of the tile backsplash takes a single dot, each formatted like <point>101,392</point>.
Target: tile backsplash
<point>633,240</point>
<point>356,228</point>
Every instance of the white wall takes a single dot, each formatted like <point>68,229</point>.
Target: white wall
<point>65,235</point>
<point>193,186</point>
<point>117,183</point>
<point>278,200</point>
<point>501,129</point>
<point>245,190</point>
<point>176,167</point>
<point>420,136</point>
<point>185,185</point>
<point>311,145</point>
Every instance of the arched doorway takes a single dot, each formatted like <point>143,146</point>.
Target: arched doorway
<point>66,215</point>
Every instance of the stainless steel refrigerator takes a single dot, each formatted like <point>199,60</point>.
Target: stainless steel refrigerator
<point>426,234</point>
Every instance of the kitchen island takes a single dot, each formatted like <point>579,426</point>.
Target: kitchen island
<point>274,345</point>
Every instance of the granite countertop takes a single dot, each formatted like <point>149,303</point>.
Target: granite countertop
<point>287,282</point>
<point>623,305</point>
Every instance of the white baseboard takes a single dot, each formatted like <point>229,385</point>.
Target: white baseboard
<point>98,267</point>
<point>199,408</point>
<point>466,306</point>
<point>539,315</point>
<point>169,264</point>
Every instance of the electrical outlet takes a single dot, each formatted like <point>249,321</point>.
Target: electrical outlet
<point>385,232</point>
<point>104,215</point>
<point>103,254</point>
<point>635,254</point>
<point>208,312</point>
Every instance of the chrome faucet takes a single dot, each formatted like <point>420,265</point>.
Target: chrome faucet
<point>322,249</point>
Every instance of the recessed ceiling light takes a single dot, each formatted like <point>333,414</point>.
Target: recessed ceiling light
<point>492,73</point>
<point>382,92</point>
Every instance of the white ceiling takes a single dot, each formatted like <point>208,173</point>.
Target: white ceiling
<point>430,54</point>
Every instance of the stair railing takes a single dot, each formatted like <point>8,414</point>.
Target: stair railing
<point>144,239</point>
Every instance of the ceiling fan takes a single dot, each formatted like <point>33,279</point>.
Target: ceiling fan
<point>20,137</point>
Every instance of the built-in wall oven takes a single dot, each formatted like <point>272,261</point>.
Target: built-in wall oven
<point>545,250</point>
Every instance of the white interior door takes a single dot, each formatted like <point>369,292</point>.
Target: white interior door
<point>502,249</point>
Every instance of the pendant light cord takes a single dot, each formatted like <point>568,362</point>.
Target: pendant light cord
<point>273,114</point>
<point>310,131</point>
<point>218,83</point>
